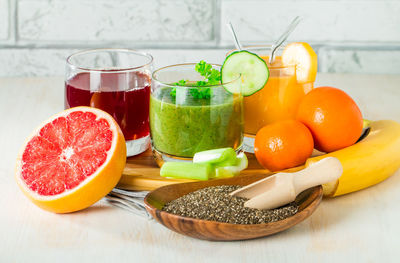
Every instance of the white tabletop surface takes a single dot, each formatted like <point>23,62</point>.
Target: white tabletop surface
<point>359,227</point>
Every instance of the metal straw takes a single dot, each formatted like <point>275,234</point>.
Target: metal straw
<point>237,43</point>
<point>283,38</point>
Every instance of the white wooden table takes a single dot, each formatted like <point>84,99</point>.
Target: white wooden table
<point>359,227</point>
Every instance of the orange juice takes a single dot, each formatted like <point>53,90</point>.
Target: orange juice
<point>278,100</point>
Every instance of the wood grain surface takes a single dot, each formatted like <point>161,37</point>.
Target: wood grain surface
<point>210,230</point>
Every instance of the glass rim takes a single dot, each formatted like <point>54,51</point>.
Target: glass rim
<point>154,78</point>
<point>117,69</point>
<point>261,47</point>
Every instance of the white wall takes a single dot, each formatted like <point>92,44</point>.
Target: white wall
<point>356,36</point>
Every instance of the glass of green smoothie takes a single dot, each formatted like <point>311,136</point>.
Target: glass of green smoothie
<point>186,117</point>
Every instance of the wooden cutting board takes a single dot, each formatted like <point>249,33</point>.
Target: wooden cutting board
<point>142,173</point>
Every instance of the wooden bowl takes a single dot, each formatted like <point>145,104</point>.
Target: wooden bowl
<point>210,230</point>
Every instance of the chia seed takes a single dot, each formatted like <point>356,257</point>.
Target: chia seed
<point>215,204</point>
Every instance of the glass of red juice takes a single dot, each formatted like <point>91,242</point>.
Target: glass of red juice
<point>117,81</point>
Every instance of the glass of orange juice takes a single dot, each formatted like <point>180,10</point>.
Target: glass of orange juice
<point>278,100</point>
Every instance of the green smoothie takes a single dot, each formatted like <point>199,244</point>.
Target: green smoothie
<point>183,125</point>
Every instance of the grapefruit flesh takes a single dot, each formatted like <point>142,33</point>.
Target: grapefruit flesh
<point>72,160</point>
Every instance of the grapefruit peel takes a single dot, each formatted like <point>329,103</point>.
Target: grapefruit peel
<point>93,187</point>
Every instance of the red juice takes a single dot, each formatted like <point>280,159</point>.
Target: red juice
<point>124,95</point>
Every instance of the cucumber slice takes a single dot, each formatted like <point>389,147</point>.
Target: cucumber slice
<point>183,170</point>
<point>253,70</point>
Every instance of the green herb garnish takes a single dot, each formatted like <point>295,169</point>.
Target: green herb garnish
<point>200,89</point>
<point>212,76</point>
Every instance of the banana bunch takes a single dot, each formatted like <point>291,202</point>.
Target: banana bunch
<point>367,162</point>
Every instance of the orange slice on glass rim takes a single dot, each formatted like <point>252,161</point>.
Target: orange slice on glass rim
<point>304,58</point>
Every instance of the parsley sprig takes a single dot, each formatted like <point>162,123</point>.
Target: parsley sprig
<point>200,89</point>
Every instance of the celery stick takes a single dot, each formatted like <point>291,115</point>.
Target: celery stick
<point>184,170</point>
<point>242,161</point>
<point>226,172</point>
<point>219,157</point>
<point>230,171</point>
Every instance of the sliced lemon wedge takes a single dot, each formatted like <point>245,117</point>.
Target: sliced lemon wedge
<point>304,58</point>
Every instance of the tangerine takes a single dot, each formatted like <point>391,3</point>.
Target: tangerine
<point>283,144</point>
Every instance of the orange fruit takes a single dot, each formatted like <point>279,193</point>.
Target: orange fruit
<point>304,57</point>
<point>72,160</point>
<point>333,118</point>
<point>283,145</point>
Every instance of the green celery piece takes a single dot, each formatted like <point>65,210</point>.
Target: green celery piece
<point>185,170</point>
<point>243,162</point>
<point>226,172</point>
<point>230,171</point>
<point>219,157</point>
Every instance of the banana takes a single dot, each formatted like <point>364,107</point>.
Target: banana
<point>367,162</point>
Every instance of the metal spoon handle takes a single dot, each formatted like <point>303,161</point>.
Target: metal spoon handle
<point>283,38</point>
<point>131,207</point>
<point>131,201</point>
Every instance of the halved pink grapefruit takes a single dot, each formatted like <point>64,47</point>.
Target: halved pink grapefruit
<point>72,160</point>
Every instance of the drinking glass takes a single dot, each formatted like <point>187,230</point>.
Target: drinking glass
<point>189,119</point>
<point>117,81</point>
<point>278,100</point>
